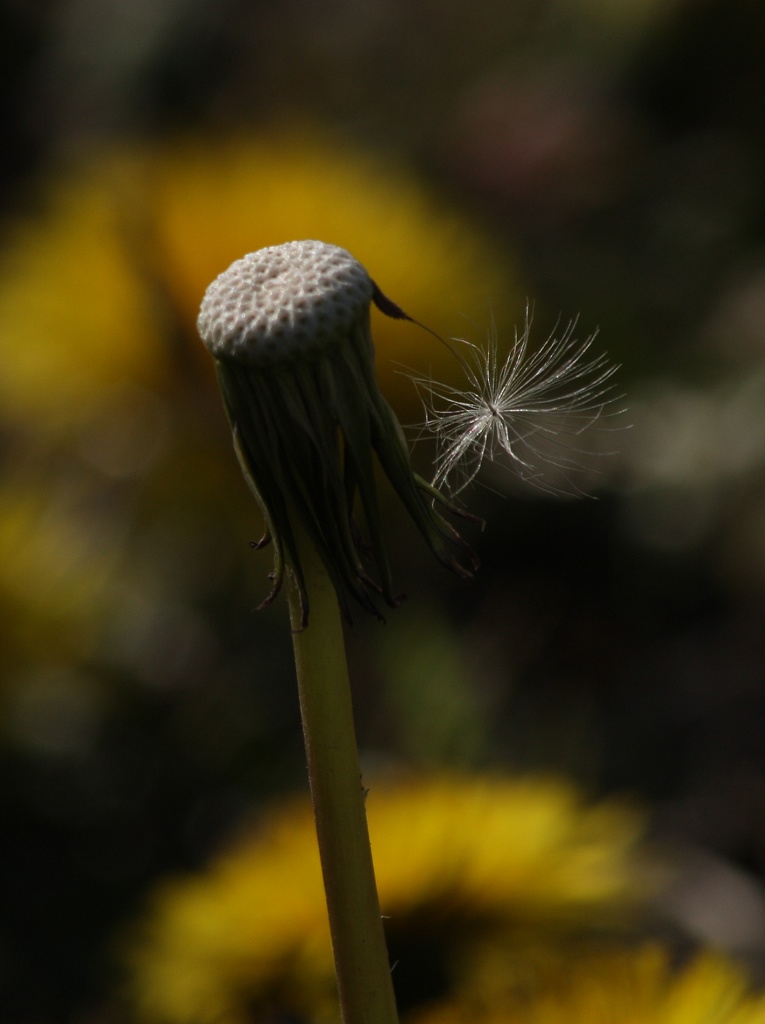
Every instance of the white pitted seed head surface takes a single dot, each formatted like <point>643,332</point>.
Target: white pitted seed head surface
<point>283,302</point>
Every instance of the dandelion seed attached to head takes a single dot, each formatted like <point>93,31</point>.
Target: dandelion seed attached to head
<point>288,327</point>
<point>528,411</point>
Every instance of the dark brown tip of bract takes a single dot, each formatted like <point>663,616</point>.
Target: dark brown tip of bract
<point>387,306</point>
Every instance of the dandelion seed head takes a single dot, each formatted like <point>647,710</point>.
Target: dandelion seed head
<point>284,302</point>
<point>289,329</point>
<point>526,412</point>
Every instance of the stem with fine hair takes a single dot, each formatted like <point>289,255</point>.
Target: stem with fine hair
<point>358,940</point>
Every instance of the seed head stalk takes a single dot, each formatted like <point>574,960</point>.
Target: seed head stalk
<point>361,959</point>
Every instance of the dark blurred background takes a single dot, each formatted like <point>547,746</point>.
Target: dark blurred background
<point>605,158</point>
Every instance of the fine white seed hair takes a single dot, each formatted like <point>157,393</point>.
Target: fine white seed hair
<point>527,411</point>
<point>284,302</point>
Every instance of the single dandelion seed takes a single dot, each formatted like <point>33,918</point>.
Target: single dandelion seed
<point>527,412</point>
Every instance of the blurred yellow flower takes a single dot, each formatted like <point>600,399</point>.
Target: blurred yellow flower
<point>625,987</point>
<point>74,320</point>
<point>459,860</point>
<point>54,570</point>
<point>116,461</point>
<point>95,291</point>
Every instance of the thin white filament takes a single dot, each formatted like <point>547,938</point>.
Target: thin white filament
<point>528,410</point>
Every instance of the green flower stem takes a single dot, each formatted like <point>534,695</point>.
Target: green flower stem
<point>358,940</point>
